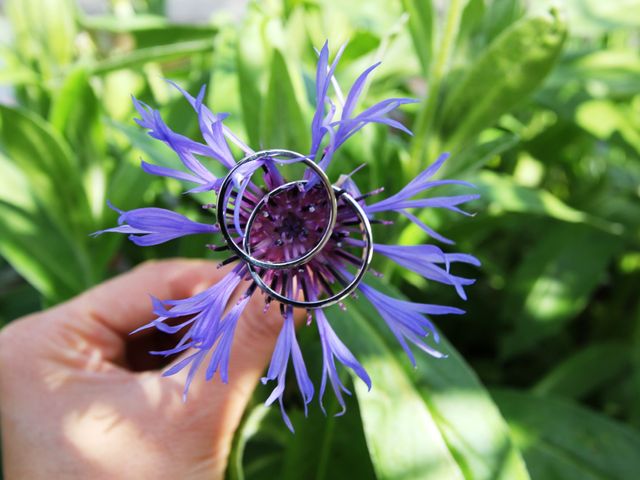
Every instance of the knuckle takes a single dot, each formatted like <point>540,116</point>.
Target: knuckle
<point>149,265</point>
<point>14,337</point>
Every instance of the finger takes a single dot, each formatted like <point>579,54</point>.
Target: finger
<point>212,404</point>
<point>122,304</point>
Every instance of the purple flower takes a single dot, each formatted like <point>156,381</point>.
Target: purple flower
<point>304,243</point>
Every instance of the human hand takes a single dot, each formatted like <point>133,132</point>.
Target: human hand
<point>72,406</point>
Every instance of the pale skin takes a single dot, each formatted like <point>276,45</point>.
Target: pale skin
<point>72,408</point>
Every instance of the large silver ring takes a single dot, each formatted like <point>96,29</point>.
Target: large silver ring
<point>367,254</point>
<point>273,155</point>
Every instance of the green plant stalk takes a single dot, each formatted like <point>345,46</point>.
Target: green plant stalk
<point>321,473</point>
<point>426,114</point>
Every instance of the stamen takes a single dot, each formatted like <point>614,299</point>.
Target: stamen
<point>251,289</point>
<point>351,223</point>
<point>227,261</point>
<point>325,284</point>
<point>217,248</point>
<point>349,257</point>
<point>369,194</point>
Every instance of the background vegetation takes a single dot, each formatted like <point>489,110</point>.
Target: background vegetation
<point>539,106</point>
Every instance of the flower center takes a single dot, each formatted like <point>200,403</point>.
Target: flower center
<point>290,223</point>
<point>292,226</point>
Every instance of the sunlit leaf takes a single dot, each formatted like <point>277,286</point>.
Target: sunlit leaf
<point>76,113</point>
<point>445,426</point>
<point>328,447</point>
<point>502,194</point>
<point>562,441</point>
<point>613,74</point>
<point>586,370</point>
<point>500,15</point>
<point>38,248</point>
<point>471,159</point>
<point>421,26</point>
<point>161,53</point>
<point>47,161</point>
<point>510,69</point>
<point>45,32</point>
<point>251,64</point>
<point>594,17</point>
<point>555,281</point>
<point>283,122</point>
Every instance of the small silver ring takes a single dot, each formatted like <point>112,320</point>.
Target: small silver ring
<point>367,255</point>
<point>242,251</point>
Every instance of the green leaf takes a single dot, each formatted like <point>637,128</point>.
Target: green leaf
<point>123,24</point>
<point>500,15</point>
<point>324,446</point>
<point>586,370</point>
<point>422,145</point>
<point>513,65</point>
<point>39,249</point>
<point>562,441</point>
<point>612,74</point>
<point>555,281</point>
<point>47,220</point>
<point>142,56</point>
<point>48,162</point>
<point>17,75</point>
<point>471,159</point>
<point>148,30</point>
<point>605,119</point>
<point>432,422</point>
<point>283,122</point>
<point>76,113</point>
<point>634,410</point>
<point>502,194</point>
<point>129,176</point>
<point>17,297</point>
<point>590,18</point>
<point>45,32</point>
<point>249,427</point>
<point>251,52</point>
<point>421,27</point>
<point>327,446</point>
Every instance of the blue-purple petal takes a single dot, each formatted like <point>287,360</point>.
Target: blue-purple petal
<point>407,320</point>
<point>332,348</point>
<point>152,226</point>
<point>220,358</point>
<point>287,347</point>
<point>160,171</point>
<point>424,260</point>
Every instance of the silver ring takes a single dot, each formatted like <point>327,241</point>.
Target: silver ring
<point>367,255</point>
<point>242,251</point>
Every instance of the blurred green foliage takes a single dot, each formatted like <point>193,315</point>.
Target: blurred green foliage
<point>540,109</point>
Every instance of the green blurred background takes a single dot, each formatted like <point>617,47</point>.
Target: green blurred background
<point>539,104</point>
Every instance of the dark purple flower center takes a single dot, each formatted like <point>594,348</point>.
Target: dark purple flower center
<point>290,223</point>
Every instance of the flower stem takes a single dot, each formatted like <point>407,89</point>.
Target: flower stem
<point>426,114</point>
